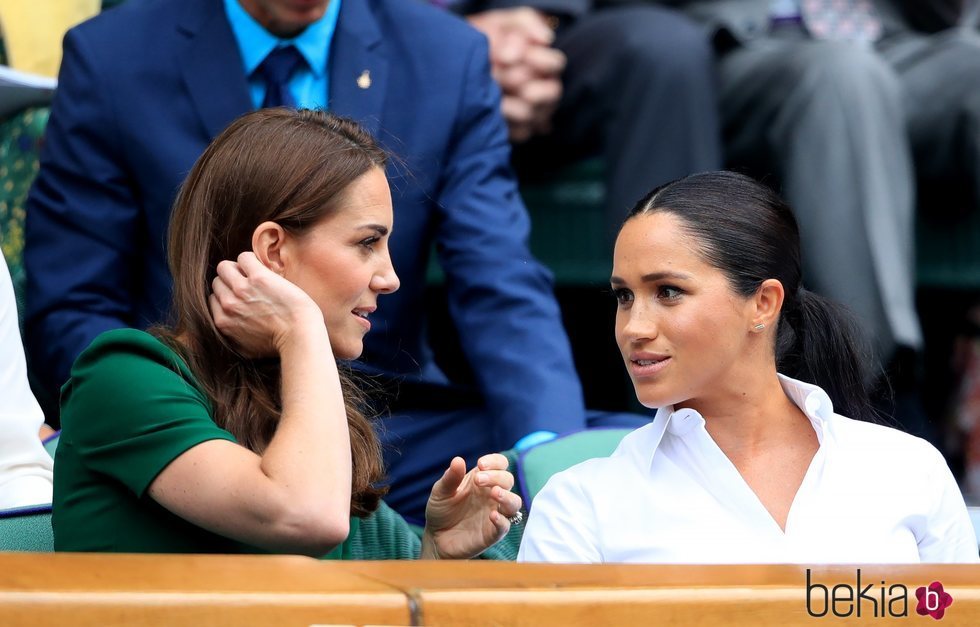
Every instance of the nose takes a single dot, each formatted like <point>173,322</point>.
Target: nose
<point>635,325</point>
<point>385,281</point>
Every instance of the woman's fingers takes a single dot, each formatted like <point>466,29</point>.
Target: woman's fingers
<point>229,270</point>
<point>493,461</point>
<point>490,478</point>
<point>249,264</point>
<point>220,289</point>
<point>230,274</point>
<point>217,311</point>
<point>508,502</point>
<point>446,486</point>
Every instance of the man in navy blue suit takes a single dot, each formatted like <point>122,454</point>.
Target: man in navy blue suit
<point>144,88</point>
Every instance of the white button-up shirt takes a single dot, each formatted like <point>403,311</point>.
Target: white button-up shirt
<point>25,467</point>
<point>872,494</point>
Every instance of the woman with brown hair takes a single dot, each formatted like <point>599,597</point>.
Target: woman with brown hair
<point>233,429</point>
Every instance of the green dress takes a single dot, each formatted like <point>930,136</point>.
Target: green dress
<point>130,408</point>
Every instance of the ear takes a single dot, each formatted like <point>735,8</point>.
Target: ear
<point>767,303</point>
<point>268,241</point>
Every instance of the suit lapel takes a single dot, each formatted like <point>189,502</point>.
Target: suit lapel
<point>211,65</point>
<point>358,66</point>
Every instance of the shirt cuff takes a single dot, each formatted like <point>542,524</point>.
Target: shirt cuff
<point>533,439</point>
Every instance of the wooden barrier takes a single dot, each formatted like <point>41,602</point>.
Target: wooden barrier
<point>144,590</point>
<point>39,589</point>
<point>539,594</point>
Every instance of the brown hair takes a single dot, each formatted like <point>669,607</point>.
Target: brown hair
<point>290,167</point>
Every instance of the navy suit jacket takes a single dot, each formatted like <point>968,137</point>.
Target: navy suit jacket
<point>143,89</point>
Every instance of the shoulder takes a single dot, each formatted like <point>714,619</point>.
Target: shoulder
<point>145,12</point>
<point>127,347</point>
<point>883,447</point>
<point>121,370</point>
<point>138,27</point>
<point>570,517</point>
<point>434,38</point>
<point>597,476</point>
<point>423,18</point>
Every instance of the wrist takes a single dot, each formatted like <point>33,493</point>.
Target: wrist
<point>429,549</point>
<point>305,332</point>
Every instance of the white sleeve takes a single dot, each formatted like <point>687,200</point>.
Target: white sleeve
<point>948,535</point>
<point>562,524</point>
<point>25,467</point>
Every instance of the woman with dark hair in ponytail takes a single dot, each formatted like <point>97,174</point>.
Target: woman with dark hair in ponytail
<point>762,449</point>
<point>235,429</point>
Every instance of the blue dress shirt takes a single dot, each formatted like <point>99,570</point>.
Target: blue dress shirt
<point>309,85</point>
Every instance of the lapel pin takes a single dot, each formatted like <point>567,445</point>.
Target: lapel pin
<point>364,80</point>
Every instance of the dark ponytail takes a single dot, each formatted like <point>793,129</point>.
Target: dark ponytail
<point>749,233</point>
<point>820,342</point>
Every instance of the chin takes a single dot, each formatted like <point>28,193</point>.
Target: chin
<point>653,400</point>
<point>651,403</point>
<point>348,352</point>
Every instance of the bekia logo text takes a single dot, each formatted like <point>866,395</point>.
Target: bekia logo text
<point>874,599</point>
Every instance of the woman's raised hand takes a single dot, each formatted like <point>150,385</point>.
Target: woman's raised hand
<point>259,310</point>
<point>468,512</point>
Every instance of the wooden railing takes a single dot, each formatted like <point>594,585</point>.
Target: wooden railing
<point>40,589</point>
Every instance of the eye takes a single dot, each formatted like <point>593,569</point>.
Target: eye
<point>369,242</point>
<point>669,292</point>
<point>623,296</point>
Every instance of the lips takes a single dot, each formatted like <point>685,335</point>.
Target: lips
<point>362,313</point>
<point>647,364</point>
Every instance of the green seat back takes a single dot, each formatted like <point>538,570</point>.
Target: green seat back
<point>568,224</point>
<point>948,250</point>
<point>26,529</point>
<point>51,444</point>
<point>537,464</point>
<point>29,528</point>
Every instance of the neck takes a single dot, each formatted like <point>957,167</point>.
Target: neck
<point>750,413</point>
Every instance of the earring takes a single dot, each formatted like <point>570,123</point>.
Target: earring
<point>759,326</point>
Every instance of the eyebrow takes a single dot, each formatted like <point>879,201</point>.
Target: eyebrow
<point>380,229</point>
<point>653,276</point>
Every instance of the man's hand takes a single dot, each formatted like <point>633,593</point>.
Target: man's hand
<point>525,66</point>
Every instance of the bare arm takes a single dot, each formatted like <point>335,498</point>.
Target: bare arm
<point>295,495</point>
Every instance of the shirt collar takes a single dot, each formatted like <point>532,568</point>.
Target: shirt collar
<point>811,399</point>
<point>814,402</point>
<point>255,42</point>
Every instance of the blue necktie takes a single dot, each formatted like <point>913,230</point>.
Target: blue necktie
<point>276,70</point>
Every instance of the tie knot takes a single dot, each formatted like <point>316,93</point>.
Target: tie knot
<point>280,64</point>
